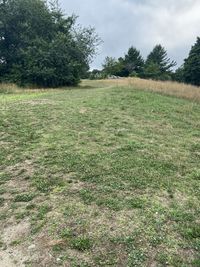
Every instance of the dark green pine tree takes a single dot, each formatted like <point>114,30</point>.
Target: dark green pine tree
<point>133,62</point>
<point>178,75</point>
<point>159,61</point>
<point>192,65</point>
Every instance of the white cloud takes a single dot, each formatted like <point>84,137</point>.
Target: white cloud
<point>141,23</point>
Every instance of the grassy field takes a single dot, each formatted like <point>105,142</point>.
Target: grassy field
<point>101,175</point>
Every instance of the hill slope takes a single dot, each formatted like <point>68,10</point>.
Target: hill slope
<point>99,177</point>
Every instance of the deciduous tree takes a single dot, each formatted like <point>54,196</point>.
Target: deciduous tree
<point>39,45</point>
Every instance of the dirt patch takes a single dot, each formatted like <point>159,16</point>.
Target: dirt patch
<point>20,174</point>
<point>14,232</point>
<point>83,110</point>
<point>14,256</point>
<point>19,186</point>
<point>22,169</point>
<point>164,199</point>
<point>6,260</point>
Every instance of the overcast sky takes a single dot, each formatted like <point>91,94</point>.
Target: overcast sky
<point>139,23</point>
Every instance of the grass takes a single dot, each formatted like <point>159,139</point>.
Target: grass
<point>104,175</point>
<point>167,88</point>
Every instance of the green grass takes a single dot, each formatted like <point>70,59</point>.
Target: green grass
<point>25,197</point>
<point>110,176</point>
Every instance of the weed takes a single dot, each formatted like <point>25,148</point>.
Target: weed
<point>136,258</point>
<point>47,184</point>
<point>4,177</point>
<point>42,211</point>
<point>15,242</point>
<point>191,231</point>
<point>66,233</point>
<point>1,201</point>
<point>81,243</point>
<point>25,197</point>
<point>22,215</point>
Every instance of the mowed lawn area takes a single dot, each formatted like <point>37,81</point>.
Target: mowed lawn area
<point>99,176</point>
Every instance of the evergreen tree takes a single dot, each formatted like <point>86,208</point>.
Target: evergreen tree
<point>162,64</point>
<point>192,65</point>
<point>133,61</point>
<point>152,71</point>
<point>178,75</point>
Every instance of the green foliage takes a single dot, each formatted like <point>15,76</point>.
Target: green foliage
<point>131,65</point>
<point>159,56</point>
<point>25,197</point>
<point>151,70</point>
<point>81,243</point>
<point>42,211</point>
<point>111,66</point>
<point>1,201</point>
<point>136,258</point>
<point>47,184</point>
<point>191,231</point>
<point>178,75</point>
<point>96,74</point>
<point>40,46</point>
<point>158,65</point>
<point>134,62</point>
<point>192,65</point>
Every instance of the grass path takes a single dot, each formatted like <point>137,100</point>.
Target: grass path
<point>99,177</point>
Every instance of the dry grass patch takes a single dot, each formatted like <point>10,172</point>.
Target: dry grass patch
<point>10,88</point>
<point>166,87</point>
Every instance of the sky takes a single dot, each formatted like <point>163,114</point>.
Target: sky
<point>175,24</point>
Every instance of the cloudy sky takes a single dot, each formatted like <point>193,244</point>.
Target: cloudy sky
<point>140,23</point>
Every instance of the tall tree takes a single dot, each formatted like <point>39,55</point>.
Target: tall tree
<point>39,45</point>
<point>133,61</point>
<point>192,65</point>
<point>158,60</point>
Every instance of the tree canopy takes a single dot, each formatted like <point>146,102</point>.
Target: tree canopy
<point>158,65</point>
<point>134,62</point>
<point>39,45</point>
<point>192,65</point>
<point>131,64</point>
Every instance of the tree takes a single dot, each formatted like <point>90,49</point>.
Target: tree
<point>40,46</point>
<point>158,57</point>
<point>133,61</point>
<point>131,65</point>
<point>192,65</point>
<point>178,75</point>
<point>111,66</point>
<point>151,71</point>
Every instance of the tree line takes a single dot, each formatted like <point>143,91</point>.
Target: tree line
<point>157,66</point>
<point>41,46</point>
